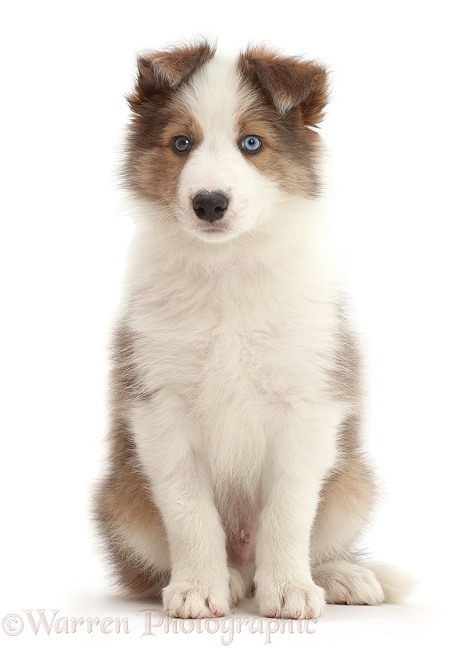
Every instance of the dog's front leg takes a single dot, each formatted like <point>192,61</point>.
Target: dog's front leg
<point>300,459</point>
<point>181,489</point>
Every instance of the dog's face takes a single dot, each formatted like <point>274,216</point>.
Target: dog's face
<point>218,142</point>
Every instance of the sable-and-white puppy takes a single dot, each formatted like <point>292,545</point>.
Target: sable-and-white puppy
<point>235,457</point>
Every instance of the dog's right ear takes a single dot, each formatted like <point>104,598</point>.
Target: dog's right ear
<point>161,72</point>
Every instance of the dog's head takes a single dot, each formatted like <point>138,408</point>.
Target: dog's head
<point>218,142</point>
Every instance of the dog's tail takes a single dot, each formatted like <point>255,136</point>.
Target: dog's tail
<point>396,584</point>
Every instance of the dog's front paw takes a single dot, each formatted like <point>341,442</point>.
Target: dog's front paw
<point>195,600</point>
<point>291,601</point>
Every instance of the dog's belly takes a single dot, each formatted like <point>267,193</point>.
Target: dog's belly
<point>241,548</point>
<point>240,525</point>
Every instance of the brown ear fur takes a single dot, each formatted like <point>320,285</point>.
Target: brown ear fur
<point>289,82</point>
<point>159,72</point>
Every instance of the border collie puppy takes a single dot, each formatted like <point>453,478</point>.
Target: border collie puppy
<point>235,459</point>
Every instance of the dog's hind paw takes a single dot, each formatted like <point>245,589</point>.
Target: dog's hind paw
<point>349,584</point>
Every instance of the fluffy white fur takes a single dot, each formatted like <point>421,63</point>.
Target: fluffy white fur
<point>235,334</point>
<point>258,418</point>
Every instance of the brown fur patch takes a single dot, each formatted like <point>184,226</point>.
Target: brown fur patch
<point>122,498</point>
<point>347,383</point>
<point>152,167</point>
<point>291,83</point>
<point>122,501</point>
<point>160,72</point>
<point>350,494</point>
<point>289,152</point>
<point>351,483</point>
<point>347,373</point>
<point>290,96</point>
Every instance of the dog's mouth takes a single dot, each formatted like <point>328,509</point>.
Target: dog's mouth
<point>213,228</point>
<point>216,231</point>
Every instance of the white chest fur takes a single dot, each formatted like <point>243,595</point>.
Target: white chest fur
<point>241,347</point>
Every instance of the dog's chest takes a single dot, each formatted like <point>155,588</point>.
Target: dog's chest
<point>240,355</point>
<point>220,335</point>
<point>242,384</point>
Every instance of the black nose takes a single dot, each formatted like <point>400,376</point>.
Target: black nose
<point>210,205</point>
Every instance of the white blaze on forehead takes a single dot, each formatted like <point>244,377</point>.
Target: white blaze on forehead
<point>216,96</point>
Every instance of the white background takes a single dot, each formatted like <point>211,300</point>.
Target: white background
<point>400,131</point>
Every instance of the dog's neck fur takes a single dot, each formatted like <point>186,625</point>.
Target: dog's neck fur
<point>301,236</point>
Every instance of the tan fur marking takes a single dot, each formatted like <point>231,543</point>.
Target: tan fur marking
<point>121,500</point>
<point>290,95</point>
<point>159,72</point>
<point>154,171</point>
<point>346,504</point>
<point>283,138</point>
<point>289,81</point>
<point>152,168</point>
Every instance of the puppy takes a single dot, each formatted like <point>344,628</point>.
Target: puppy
<point>235,460</point>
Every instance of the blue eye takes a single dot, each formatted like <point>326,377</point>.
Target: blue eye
<point>181,144</point>
<point>251,144</point>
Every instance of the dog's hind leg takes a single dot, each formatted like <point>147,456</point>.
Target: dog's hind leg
<point>130,524</point>
<point>345,507</point>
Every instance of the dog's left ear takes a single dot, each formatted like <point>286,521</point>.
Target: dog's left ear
<point>290,82</point>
